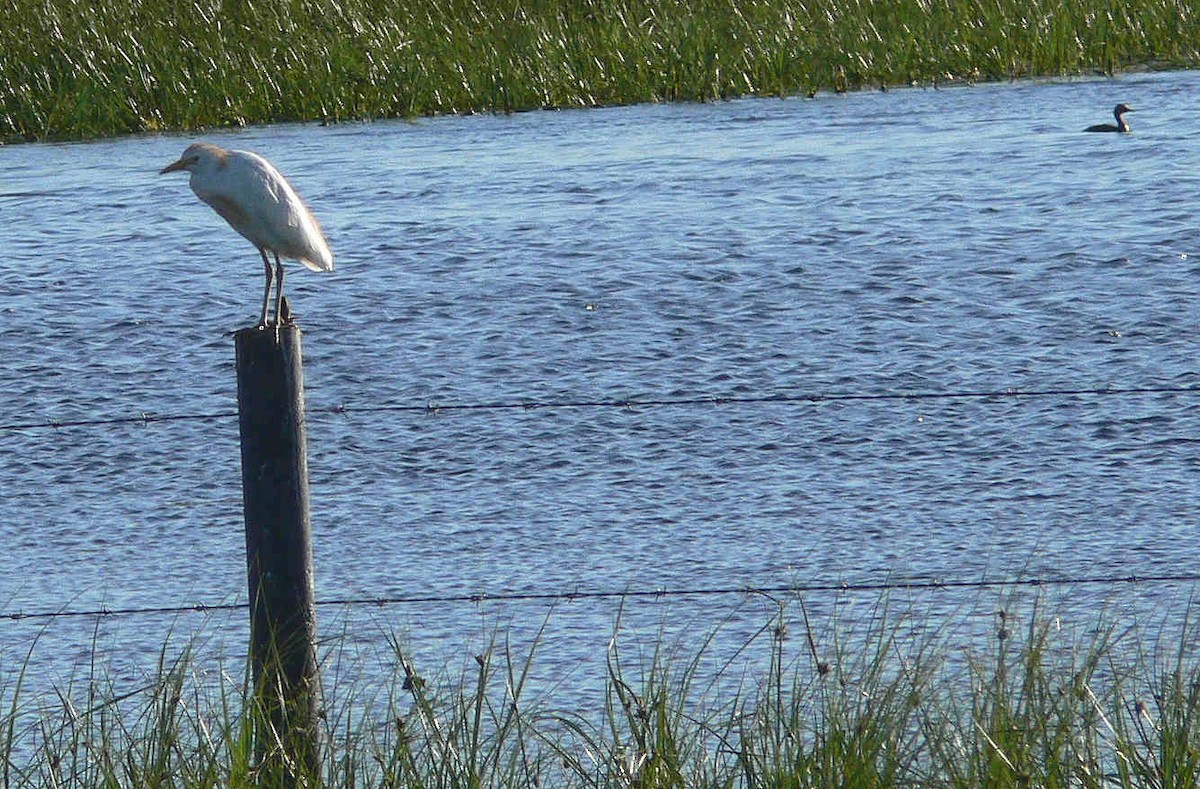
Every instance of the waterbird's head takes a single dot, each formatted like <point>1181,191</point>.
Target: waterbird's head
<point>1121,109</point>
<point>198,156</point>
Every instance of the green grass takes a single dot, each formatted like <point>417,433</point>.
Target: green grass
<point>74,69</point>
<point>889,702</point>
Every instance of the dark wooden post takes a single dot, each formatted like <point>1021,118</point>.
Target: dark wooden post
<point>283,624</point>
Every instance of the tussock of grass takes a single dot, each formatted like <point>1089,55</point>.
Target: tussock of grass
<point>78,69</point>
<point>796,706</point>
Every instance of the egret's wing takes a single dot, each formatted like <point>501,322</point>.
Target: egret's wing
<point>239,192</point>
<point>278,213</point>
<point>230,210</point>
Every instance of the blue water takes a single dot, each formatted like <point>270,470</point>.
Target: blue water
<point>913,241</point>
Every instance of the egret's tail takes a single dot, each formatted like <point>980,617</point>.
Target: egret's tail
<point>318,260</point>
<point>314,253</point>
<point>312,249</point>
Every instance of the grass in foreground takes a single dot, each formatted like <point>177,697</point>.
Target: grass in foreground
<point>74,69</point>
<point>892,705</point>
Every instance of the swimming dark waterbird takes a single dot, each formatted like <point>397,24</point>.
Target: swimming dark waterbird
<point>1121,126</point>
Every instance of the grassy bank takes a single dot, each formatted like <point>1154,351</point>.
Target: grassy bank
<point>79,69</point>
<point>824,707</point>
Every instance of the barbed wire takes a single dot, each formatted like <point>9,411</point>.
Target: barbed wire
<point>431,408</point>
<point>142,418</point>
<point>478,598</point>
<point>633,403</point>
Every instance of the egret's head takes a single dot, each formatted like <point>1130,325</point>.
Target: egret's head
<point>200,155</point>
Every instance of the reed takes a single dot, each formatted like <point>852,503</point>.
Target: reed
<point>73,69</point>
<point>889,704</point>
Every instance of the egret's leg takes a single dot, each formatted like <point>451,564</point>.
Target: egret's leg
<point>262,320</point>
<point>278,288</point>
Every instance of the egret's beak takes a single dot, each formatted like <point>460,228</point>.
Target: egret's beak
<point>174,166</point>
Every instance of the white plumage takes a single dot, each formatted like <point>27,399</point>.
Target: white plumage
<point>259,203</point>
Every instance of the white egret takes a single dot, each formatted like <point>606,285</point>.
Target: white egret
<point>258,202</point>
<point>1121,126</point>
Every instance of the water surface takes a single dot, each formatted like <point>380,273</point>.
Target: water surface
<point>914,241</point>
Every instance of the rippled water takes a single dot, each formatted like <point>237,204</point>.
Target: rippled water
<point>914,241</point>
